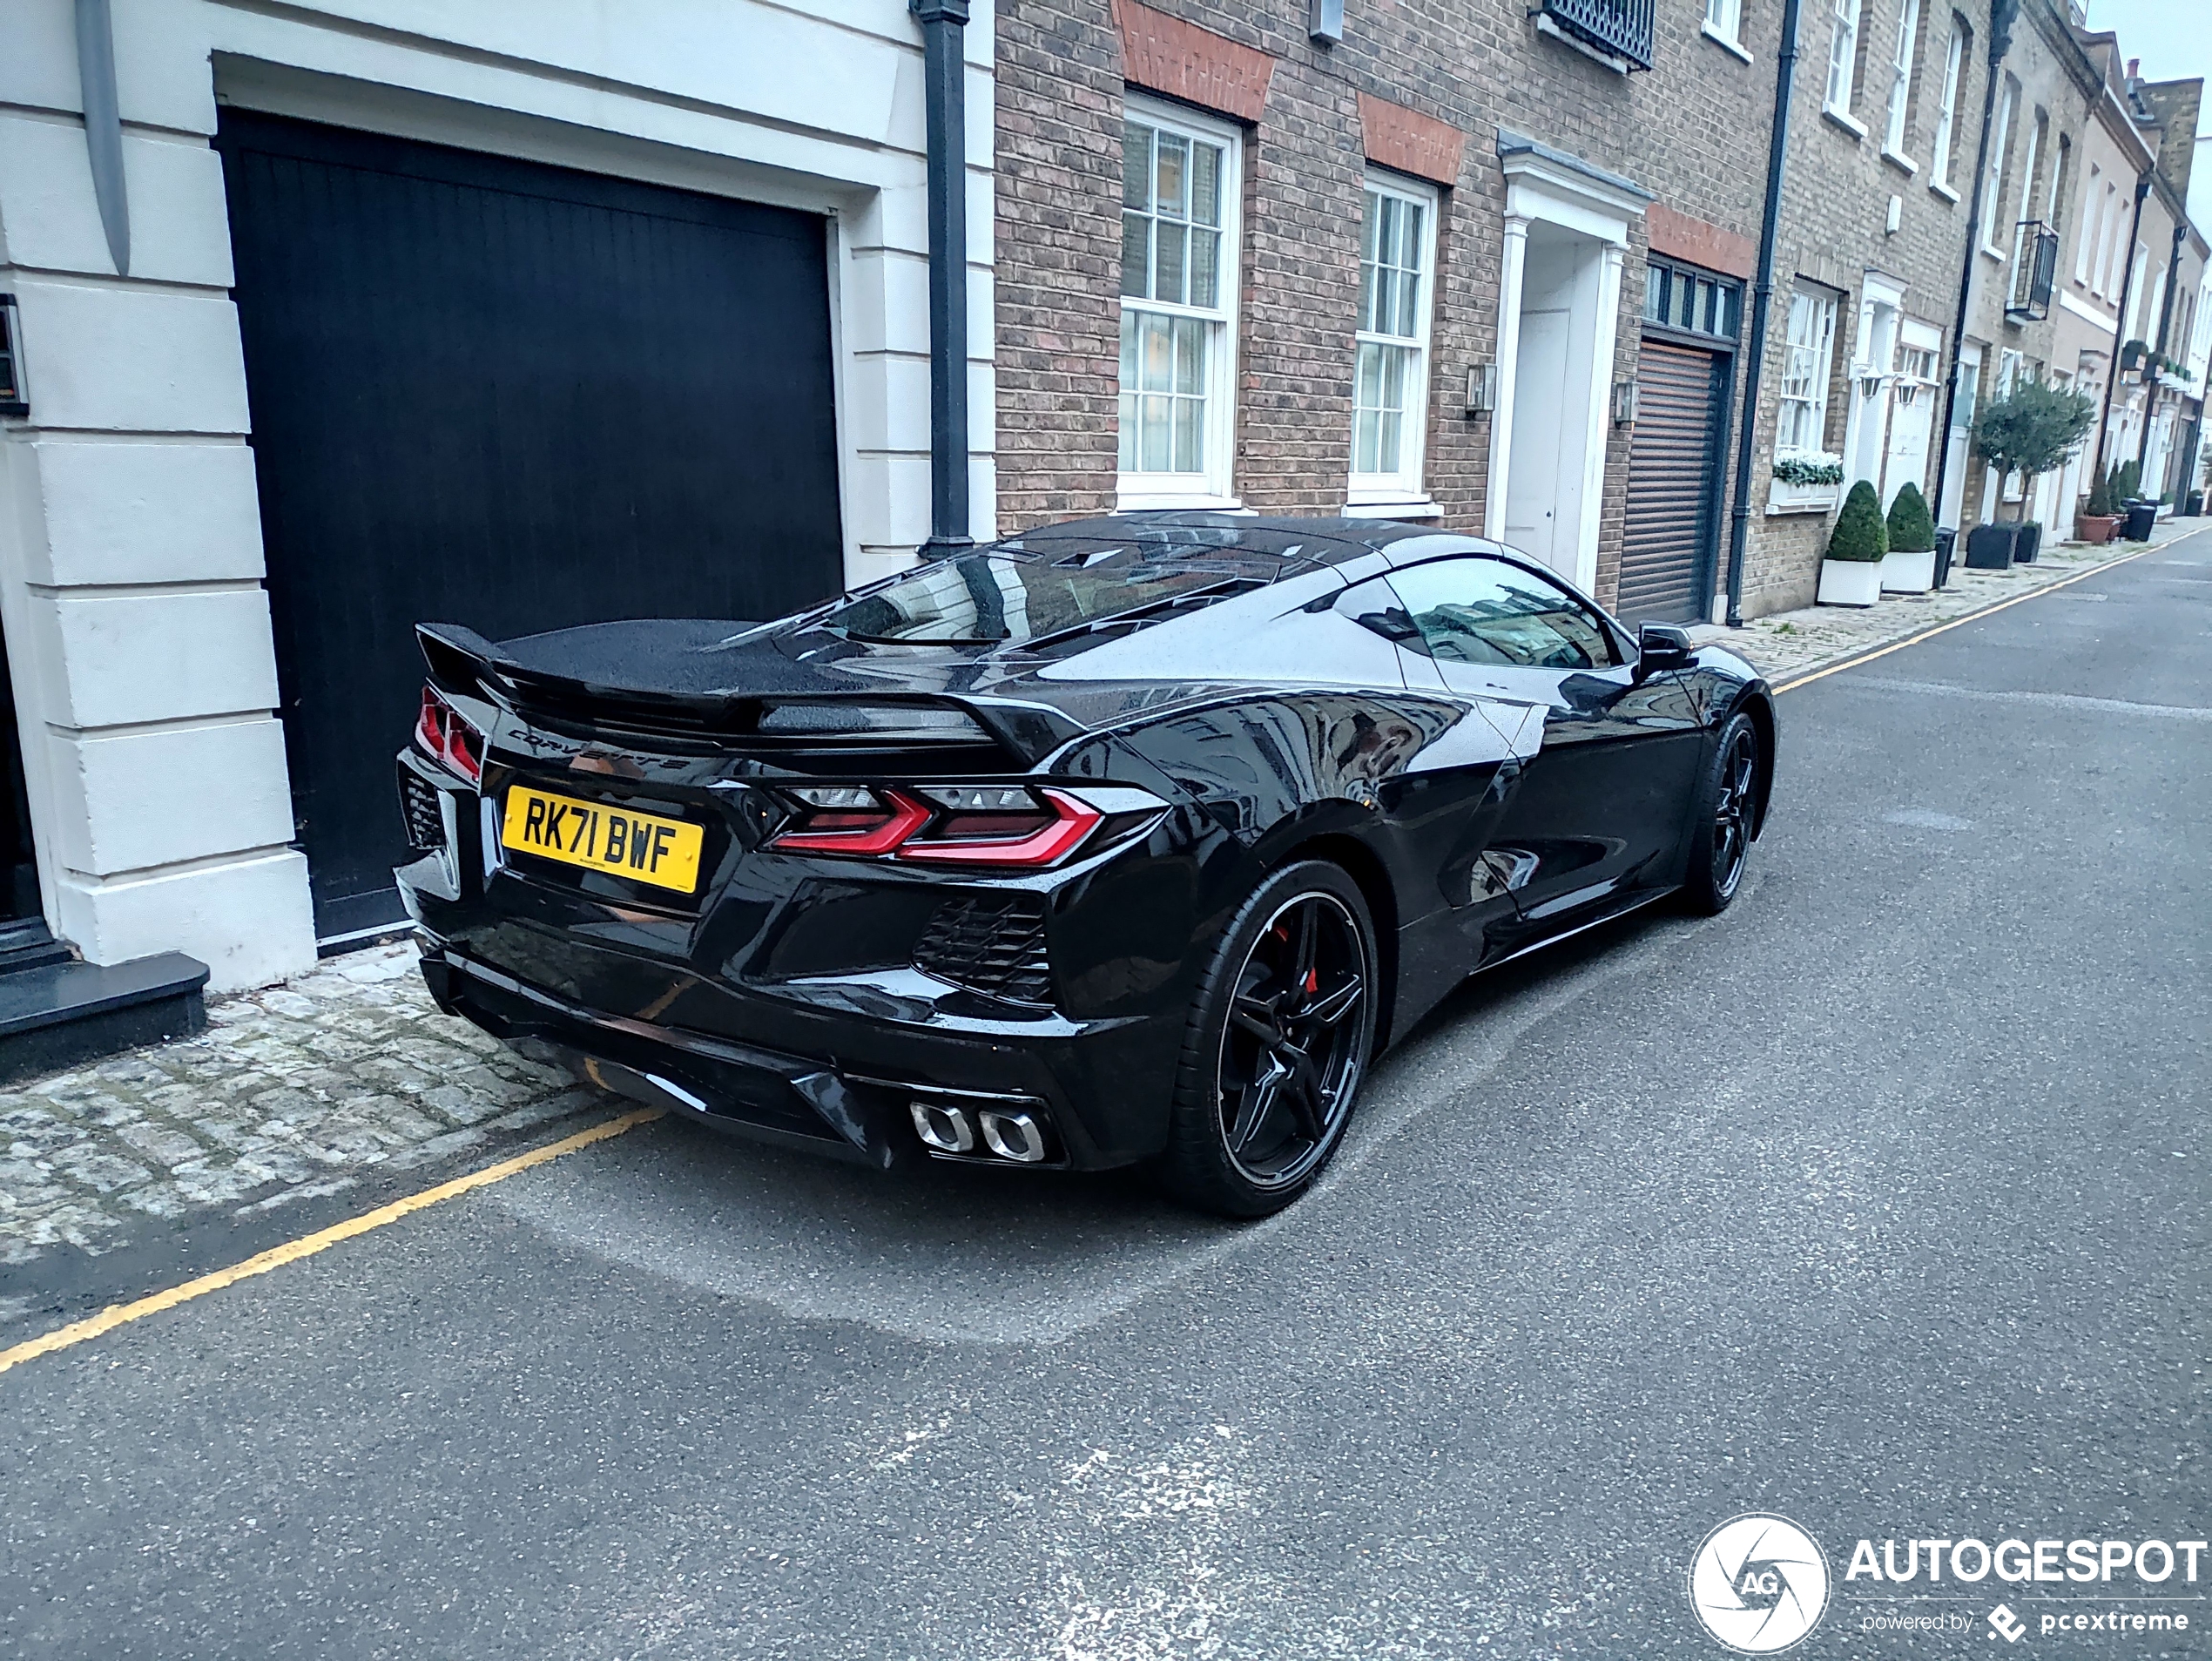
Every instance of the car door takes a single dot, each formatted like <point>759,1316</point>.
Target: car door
<point>1595,816</point>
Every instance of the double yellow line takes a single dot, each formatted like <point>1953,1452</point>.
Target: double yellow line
<point>307,1246</point>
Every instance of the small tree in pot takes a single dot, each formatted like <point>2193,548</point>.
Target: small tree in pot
<point>2030,430</point>
<point>1909,567</point>
<point>1852,573</point>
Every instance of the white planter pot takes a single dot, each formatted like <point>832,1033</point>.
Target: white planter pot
<point>1782,498</point>
<point>1850,582</point>
<point>1908,573</point>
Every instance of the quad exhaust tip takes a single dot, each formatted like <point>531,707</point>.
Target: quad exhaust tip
<point>1009,1134</point>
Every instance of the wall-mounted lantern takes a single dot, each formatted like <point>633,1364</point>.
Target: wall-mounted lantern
<point>13,400</point>
<point>1325,22</point>
<point>1482,389</point>
<point>1625,396</point>
<point>1869,382</point>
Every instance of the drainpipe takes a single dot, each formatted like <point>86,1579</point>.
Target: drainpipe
<point>1762,303</point>
<point>2001,14</point>
<point>944,104</point>
<point>104,126</point>
<point>2165,325</point>
<point>2120,327</point>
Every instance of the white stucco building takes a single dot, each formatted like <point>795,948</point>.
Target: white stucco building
<point>517,314</point>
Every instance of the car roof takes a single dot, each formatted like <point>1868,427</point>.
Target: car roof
<point>1321,542</point>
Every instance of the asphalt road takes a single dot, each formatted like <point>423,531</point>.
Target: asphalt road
<point>1880,1202</point>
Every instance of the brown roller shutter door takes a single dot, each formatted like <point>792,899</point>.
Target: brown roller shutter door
<point>1674,484</point>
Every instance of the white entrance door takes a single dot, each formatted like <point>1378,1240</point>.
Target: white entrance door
<point>1533,494</point>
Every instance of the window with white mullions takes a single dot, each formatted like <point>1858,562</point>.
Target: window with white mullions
<point>1908,30</point>
<point>1178,217</point>
<point>1390,370</point>
<point>1947,112</point>
<point>1808,338</point>
<point>1843,56</point>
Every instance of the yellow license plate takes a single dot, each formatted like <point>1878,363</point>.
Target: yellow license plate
<point>641,846</point>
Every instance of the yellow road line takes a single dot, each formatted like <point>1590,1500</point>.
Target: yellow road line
<point>1971,616</point>
<point>307,1245</point>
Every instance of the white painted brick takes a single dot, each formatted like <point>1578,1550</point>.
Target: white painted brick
<point>119,661</point>
<point>889,304</point>
<point>146,798</point>
<point>38,68</point>
<point>142,513</point>
<point>129,360</point>
<point>179,229</point>
<point>249,920</point>
<point>890,500</point>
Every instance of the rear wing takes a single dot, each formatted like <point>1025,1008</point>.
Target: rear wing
<point>461,661</point>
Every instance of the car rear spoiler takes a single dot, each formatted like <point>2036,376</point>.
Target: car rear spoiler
<point>461,661</point>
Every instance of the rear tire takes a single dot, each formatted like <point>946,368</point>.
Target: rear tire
<point>1728,803</point>
<point>1275,1045</point>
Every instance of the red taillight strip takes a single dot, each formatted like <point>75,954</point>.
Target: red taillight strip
<point>450,737</point>
<point>907,816</point>
<point>1077,820</point>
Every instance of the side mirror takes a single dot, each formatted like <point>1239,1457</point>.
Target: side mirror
<point>1663,646</point>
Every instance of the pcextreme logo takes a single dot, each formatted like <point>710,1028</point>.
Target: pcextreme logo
<point>1759,1583</point>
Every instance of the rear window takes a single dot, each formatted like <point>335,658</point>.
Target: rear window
<point>1002,599</point>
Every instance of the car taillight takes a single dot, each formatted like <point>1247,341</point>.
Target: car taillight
<point>450,737</point>
<point>980,825</point>
<point>850,820</point>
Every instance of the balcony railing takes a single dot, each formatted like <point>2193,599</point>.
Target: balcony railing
<point>1622,28</point>
<point>2035,265</point>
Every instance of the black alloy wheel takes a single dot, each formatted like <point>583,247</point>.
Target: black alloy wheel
<point>1728,810</point>
<point>1279,1036</point>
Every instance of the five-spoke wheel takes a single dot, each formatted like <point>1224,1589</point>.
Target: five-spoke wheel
<point>1278,1038</point>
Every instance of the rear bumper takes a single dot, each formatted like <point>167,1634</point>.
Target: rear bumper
<point>841,1086</point>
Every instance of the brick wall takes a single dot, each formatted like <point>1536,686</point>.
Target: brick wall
<point>1692,131</point>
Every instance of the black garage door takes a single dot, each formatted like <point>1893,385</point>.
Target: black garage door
<point>516,397</point>
<point>1673,518</point>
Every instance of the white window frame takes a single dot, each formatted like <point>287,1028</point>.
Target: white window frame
<point>2086,238</point>
<point>1843,57</point>
<point>1908,39</point>
<point>2138,274</point>
<point>1406,488</point>
<point>1808,344</point>
<point>2027,184</point>
<point>1947,120</point>
<point>2107,228</point>
<point>1212,486</point>
<point>1724,22</point>
<point>1993,188</point>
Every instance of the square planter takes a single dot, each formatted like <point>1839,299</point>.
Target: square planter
<point>2095,527</point>
<point>2026,540</point>
<point>1850,582</point>
<point>1908,573</point>
<point>1989,548</point>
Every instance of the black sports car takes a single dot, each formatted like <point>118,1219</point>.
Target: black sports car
<point>1131,840</point>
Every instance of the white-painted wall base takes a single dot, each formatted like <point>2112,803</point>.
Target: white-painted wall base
<point>130,564</point>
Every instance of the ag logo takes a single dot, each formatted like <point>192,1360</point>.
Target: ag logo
<point>1759,1583</point>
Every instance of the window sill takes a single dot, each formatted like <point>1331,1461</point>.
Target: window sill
<point>1944,191</point>
<point>1127,499</point>
<point>1857,130</point>
<point>1370,505</point>
<point>1988,252</point>
<point>1546,26</point>
<point>1904,165</point>
<point>1735,48</point>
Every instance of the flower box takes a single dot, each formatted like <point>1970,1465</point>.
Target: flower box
<point>1782,497</point>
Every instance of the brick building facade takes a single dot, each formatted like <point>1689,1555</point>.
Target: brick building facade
<point>1411,274</point>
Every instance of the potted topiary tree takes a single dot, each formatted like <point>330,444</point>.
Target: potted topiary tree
<point>2030,430</point>
<point>2096,521</point>
<point>1850,574</point>
<point>1909,567</point>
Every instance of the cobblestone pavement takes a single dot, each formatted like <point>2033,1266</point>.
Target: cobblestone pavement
<point>302,1089</point>
<point>1788,643</point>
<point>292,1092</point>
